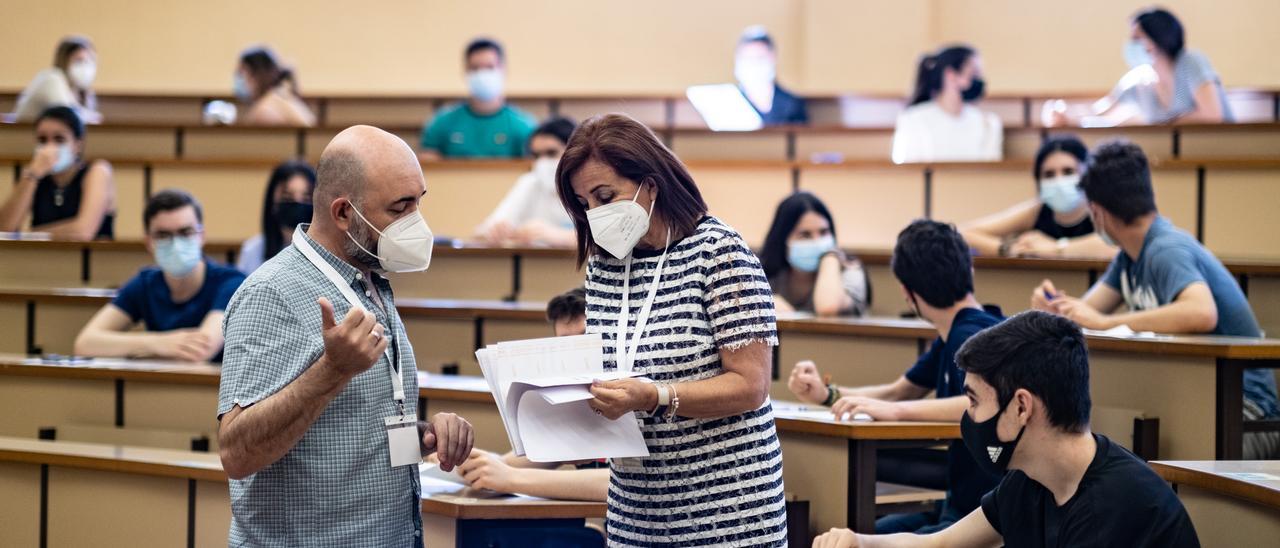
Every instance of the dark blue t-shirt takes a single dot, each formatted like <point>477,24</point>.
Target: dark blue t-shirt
<point>146,298</point>
<point>936,369</point>
<point>1170,261</point>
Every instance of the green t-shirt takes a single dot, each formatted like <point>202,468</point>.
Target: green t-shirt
<point>457,132</point>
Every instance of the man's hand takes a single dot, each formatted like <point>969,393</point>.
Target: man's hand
<point>849,406</point>
<point>836,538</point>
<point>1043,296</point>
<point>354,345</point>
<point>189,345</point>
<point>449,436</point>
<point>1080,312</point>
<point>485,470</point>
<point>806,383</point>
<point>614,399</point>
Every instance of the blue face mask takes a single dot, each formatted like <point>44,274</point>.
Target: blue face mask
<point>1135,54</point>
<point>1062,194</point>
<point>485,84</point>
<point>179,255</point>
<point>804,255</point>
<point>240,88</point>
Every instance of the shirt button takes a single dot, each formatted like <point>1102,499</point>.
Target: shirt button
<point>367,293</point>
<point>359,276</point>
<point>417,533</point>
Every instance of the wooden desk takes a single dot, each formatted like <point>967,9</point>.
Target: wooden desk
<point>1231,503</point>
<point>83,494</point>
<point>458,517</point>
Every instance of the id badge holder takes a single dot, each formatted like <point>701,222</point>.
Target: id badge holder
<point>402,439</point>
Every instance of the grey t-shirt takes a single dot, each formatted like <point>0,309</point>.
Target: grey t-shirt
<point>1170,261</point>
<point>1190,71</point>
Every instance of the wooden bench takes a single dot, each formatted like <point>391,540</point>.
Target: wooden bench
<point>1231,503</point>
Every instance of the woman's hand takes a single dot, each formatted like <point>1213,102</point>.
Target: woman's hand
<point>1033,243</point>
<point>614,399</point>
<point>42,163</point>
<point>485,470</point>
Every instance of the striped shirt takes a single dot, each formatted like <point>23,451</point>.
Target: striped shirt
<point>336,486</point>
<point>706,481</point>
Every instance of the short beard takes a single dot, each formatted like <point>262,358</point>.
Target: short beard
<point>361,233</point>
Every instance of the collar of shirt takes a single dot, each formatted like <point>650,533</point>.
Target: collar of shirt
<point>344,269</point>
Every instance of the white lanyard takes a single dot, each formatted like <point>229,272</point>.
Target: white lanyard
<point>626,360</point>
<point>300,241</point>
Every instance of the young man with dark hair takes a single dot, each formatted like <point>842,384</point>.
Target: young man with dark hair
<point>181,301</point>
<point>1028,411</point>
<point>932,262</point>
<point>755,66</point>
<point>485,125</point>
<point>567,312</point>
<point>1169,282</point>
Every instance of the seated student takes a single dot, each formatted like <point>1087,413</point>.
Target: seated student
<point>755,66</point>
<point>180,302</point>
<point>286,205</point>
<point>512,474</point>
<point>940,124</point>
<point>62,193</point>
<point>1056,224</point>
<point>933,264</point>
<point>1166,83</point>
<point>806,268</point>
<point>1169,282</point>
<point>531,212</point>
<point>270,90</point>
<point>1027,390</point>
<point>485,125</point>
<point>68,83</point>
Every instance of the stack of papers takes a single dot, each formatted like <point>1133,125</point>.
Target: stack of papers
<point>542,387</point>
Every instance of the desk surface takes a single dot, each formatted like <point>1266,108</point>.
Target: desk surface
<point>799,418</point>
<point>1254,481</point>
<point>112,369</point>
<point>114,458</point>
<point>450,500</point>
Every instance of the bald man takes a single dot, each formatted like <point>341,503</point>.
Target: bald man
<point>317,410</point>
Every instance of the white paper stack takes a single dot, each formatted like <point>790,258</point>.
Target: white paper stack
<point>542,387</point>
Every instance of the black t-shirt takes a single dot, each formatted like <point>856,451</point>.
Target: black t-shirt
<point>1046,224</point>
<point>786,109</point>
<point>53,204</point>
<point>1120,502</point>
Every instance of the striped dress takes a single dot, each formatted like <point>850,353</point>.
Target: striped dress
<point>706,481</point>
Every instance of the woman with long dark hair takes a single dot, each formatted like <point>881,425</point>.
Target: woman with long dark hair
<point>287,204</point>
<point>806,268</point>
<point>270,90</point>
<point>940,123</point>
<point>1053,224</point>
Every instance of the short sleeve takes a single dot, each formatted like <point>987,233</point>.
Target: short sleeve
<point>993,143</point>
<point>925,371</point>
<point>991,508</point>
<point>1197,69</point>
<point>433,136</point>
<point>132,298</point>
<point>227,288</point>
<point>1172,271</point>
<point>514,207</point>
<point>250,256</point>
<point>858,286</point>
<point>1112,276</point>
<point>525,125</point>
<point>267,347</point>
<point>906,139</point>
<point>737,298</point>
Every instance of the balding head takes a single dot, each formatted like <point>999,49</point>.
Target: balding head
<point>368,169</point>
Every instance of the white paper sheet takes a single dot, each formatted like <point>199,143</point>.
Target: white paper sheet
<point>572,431</point>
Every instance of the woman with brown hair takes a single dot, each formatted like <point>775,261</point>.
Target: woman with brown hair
<point>271,91</point>
<point>677,296</point>
<point>68,83</point>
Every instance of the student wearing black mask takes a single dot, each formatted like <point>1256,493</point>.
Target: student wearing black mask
<point>1028,414</point>
<point>940,123</point>
<point>286,205</point>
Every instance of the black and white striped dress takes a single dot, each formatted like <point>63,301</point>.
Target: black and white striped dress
<point>706,481</point>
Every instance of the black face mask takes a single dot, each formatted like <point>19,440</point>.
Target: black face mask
<point>292,214</point>
<point>984,443</point>
<point>975,90</point>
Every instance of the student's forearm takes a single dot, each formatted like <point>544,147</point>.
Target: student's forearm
<point>1175,317</point>
<point>516,461</point>
<point>985,244</point>
<point>261,434</point>
<point>116,344</point>
<point>829,296</point>
<point>900,540</point>
<point>887,392</point>
<point>592,485</point>
<point>937,410</point>
<point>18,205</point>
<point>77,228</point>
<point>1090,246</point>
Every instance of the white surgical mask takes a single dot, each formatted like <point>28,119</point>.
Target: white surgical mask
<point>404,246</point>
<point>178,255</point>
<point>240,88</point>
<point>1102,233</point>
<point>1062,194</point>
<point>1135,54</point>
<point>753,71</point>
<point>81,73</point>
<point>544,170</point>
<point>485,84</point>
<point>66,158</point>
<point>618,226</point>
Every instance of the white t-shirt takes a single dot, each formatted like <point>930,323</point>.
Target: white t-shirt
<point>530,200</point>
<point>48,89</point>
<point>926,133</point>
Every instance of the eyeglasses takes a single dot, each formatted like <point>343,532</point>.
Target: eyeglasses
<point>185,232</point>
